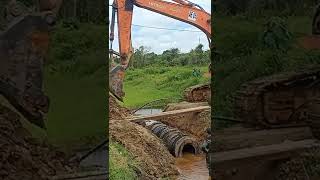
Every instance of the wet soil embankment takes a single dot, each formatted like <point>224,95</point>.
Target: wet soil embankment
<point>154,160</point>
<point>23,157</point>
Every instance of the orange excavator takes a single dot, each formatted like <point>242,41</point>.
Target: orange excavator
<point>182,10</point>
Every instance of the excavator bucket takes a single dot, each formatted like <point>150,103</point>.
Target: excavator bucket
<point>116,77</point>
<point>23,48</point>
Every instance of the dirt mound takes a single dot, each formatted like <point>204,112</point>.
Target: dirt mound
<point>191,123</point>
<point>198,93</point>
<point>115,110</point>
<point>154,159</point>
<point>305,166</point>
<point>21,156</point>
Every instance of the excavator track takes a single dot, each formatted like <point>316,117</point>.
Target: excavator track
<point>281,100</point>
<point>264,106</point>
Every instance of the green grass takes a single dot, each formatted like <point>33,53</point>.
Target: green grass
<point>144,85</point>
<point>121,163</point>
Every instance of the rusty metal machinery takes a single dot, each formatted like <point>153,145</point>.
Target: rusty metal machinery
<point>280,100</point>
<point>23,49</point>
<point>280,118</point>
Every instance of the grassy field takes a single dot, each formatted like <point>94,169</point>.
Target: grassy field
<point>121,164</point>
<point>142,86</point>
<point>242,57</point>
<point>148,84</point>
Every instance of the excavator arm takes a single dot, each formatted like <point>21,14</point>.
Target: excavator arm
<point>181,10</point>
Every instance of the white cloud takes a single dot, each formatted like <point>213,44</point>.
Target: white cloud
<point>159,40</point>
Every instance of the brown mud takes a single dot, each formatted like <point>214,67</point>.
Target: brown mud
<point>154,160</point>
<point>23,157</point>
<point>194,124</point>
<point>152,156</point>
<point>116,111</point>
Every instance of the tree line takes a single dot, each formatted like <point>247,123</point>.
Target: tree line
<point>261,7</point>
<point>94,11</point>
<point>143,57</point>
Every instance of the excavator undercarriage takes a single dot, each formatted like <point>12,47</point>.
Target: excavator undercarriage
<point>279,117</point>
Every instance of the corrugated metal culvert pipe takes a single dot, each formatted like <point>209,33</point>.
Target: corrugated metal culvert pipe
<point>176,141</point>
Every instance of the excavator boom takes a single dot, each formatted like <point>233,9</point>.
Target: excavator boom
<point>181,10</point>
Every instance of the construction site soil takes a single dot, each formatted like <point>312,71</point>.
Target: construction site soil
<point>153,159</point>
<point>195,124</point>
<point>115,110</point>
<point>23,157</point>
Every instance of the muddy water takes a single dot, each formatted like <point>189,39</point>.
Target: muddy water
<point>148,111</point>
<point>192,167</point>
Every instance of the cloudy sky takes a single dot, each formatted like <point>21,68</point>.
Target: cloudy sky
<point>158,40</point>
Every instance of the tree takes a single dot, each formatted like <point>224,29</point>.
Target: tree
<point>169,55</point>
<point>139,58</point>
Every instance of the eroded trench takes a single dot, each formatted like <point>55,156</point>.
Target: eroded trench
<point>189,159</point>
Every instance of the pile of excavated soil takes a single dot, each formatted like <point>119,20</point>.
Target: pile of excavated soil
<point>22,157</point>
<point>115,110</point>
<point>153,158</point>
<point>305,166</point>
<point>190,123</point>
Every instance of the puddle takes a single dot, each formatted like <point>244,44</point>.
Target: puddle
<point>148,111</point>
<point>96,159</point>
<point>192,167</point>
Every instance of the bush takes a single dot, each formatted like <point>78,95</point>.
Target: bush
<point>77,48</point>
<point>276,35</point>
<point>264,7</point>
